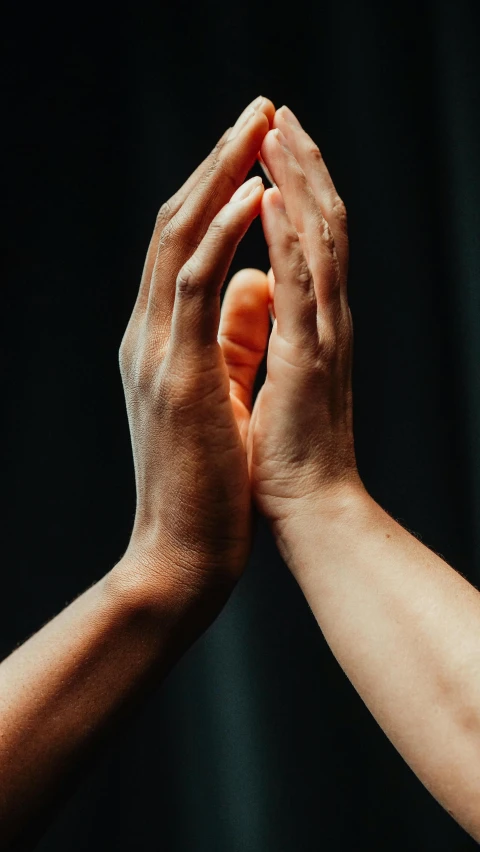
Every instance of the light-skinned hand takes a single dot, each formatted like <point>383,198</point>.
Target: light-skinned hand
<point>300,438</point>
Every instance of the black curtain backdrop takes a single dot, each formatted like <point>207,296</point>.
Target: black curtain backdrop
<point>256,742</point>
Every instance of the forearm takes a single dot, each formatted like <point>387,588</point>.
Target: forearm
<point>64,689</point>
<point>405,627</point>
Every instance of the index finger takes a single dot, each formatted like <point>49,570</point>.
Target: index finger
<point>225,171</point>
<point>173,205</point>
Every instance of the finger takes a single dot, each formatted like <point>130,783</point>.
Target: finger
<point>310,159</point>
<point>173,205</point>
<point>196,310</point>
<point>167,210</point>
<point>305,215</point>
<point>294,296</point>
<point>244,330</point>
<point>185,230</point>
<point>259,104</point>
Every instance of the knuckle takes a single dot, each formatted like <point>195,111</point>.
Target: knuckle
<point>290,240</point>
<point>217,229</point>
<point>164,215</point>
<point>313,151</point>
<point>125,352</point>
<point>305,185</point>
<point>326,235</point>
<point>147,369</point>
<point>123,360</point>
<point>304,275</point>
<point>219,145</point>
<point>211,167</point>
<point>142,358</point>
<point>221,169</point>
<point>168,233</point>
<point>178,233</point>
<point>339,211</point>
<point>189,281</point>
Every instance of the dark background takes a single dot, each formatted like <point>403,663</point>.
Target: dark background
<point>256,742</point>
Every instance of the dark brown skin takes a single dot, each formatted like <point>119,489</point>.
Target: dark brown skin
<point>65,689</point>
<point>193,519</point>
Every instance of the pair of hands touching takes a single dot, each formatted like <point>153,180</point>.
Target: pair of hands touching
<point>201,453</point>
<point>404,626</point>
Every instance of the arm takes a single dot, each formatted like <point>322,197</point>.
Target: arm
<point>69,685</point>
<point>404,626</point>
<point>64,689</point>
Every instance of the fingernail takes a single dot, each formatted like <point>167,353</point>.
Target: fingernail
<point>257,102</point>
<point>290,116</point>
<point>246,189</point>
<point>241,122</point>
<point>245,116</point>
<point>281,138</point>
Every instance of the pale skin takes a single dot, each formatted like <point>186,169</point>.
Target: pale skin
<point>404,626</point>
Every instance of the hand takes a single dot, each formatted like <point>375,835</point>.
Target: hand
<point>300,441</point>
<point>192,525</point>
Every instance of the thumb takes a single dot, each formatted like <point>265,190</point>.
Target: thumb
<point>244,330</point>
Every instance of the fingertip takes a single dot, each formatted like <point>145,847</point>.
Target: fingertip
<point>243,207</point>
<point>247,208</point>
<point>258,192</point>
<point>268,144</point>
<point>247,190</point>
<point>249,287</point>
<point>272,202</point>
<point>282,114</point>
<point>268,108</point>
<point>264,127</point>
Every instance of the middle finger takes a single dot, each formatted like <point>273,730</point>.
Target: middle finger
<point>309,156</point>
<point>185,230</point>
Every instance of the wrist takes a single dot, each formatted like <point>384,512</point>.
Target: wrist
<point>317,522</point>
<point>164,591</point>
